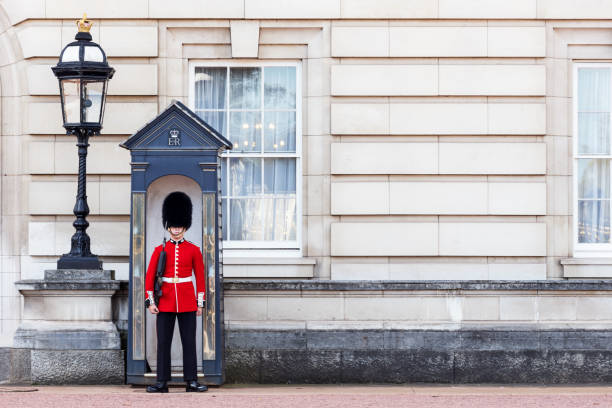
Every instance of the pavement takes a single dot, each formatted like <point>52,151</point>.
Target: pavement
<point>312,396</point>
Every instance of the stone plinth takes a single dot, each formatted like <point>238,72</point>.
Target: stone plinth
<point>67,327</point>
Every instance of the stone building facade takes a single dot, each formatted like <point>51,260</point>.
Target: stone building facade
<point>414,148</point>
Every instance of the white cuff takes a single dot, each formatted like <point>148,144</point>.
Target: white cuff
<point>151,297</point>
<point>201,299</point>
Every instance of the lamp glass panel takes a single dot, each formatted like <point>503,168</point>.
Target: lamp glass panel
<point>71,100</point>
<point>92,101</point>
<point>71,54</point>
<point>93,54</point>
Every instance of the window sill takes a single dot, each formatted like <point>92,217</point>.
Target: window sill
<point>302,268</point>
<point>587,268</point>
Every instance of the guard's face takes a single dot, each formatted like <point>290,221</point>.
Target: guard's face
<point>176,231</point>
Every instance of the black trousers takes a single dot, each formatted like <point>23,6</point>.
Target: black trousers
<point>165,330</point>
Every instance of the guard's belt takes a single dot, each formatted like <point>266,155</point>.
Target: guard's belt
<point>176,280</point>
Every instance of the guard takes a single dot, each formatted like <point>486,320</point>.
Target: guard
<point>177,299</point>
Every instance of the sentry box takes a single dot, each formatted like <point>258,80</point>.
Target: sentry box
<point>175,151</point>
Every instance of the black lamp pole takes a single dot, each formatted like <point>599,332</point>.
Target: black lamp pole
<point>83,73</point>
<point>80,256</point>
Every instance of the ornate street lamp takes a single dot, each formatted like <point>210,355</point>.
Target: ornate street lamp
<point>83,73</point>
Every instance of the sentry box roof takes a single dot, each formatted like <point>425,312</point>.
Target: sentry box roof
<point>177,121</point>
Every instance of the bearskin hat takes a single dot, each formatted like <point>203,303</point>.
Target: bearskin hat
<point>176,210</point>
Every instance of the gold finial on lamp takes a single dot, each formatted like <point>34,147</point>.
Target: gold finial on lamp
<point>84,24</point>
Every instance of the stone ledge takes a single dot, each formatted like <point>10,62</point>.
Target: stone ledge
<point>416,325</point>
<point>79,335</point>
<point>328,285</point>
<point>586,261</point>
<point>582,268</point>
<point>72,284</point>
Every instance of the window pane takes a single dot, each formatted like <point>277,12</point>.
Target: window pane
<point>279,176</point>
<point>245,176</point>
<point>263,219</point>
<point>279,88</point>
<point>210,88</point>
<point>593,133</point>
<point>593,178</point>
<point>594,221</point>
<point>245,131</point>
<point>593,111</point>
<point>245,88</point>
<point>279,132</point>
<point>216,119</point>
<point>593,90</point>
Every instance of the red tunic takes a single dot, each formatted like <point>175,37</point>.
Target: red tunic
<point>181,259</point>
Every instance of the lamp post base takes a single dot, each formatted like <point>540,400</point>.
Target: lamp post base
<point>79,262</point>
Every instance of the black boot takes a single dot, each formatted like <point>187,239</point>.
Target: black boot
<point>160,386</point>
<point>193,386</point>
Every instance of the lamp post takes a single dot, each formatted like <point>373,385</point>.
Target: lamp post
<point>83,73</point>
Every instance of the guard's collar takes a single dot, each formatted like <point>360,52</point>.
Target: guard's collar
<point>180,241</point>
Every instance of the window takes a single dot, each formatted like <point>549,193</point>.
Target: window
<point>592,154</point>
<point>258,109</point>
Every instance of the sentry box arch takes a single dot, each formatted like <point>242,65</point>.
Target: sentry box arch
<point>176,150</point>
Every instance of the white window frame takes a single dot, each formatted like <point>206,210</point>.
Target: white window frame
<point>586,250</point>
<point>262,248</point>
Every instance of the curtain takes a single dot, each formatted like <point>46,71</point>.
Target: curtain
<point>279,88</point>
<point>262,211</point>
<point>210,95</point>
<point>279,105</point>
<point>593,139</point>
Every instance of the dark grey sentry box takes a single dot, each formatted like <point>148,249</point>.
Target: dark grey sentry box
<point>175,151</point>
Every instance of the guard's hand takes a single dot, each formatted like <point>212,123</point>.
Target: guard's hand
<point>199,312</point>
<point>153,309</point>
